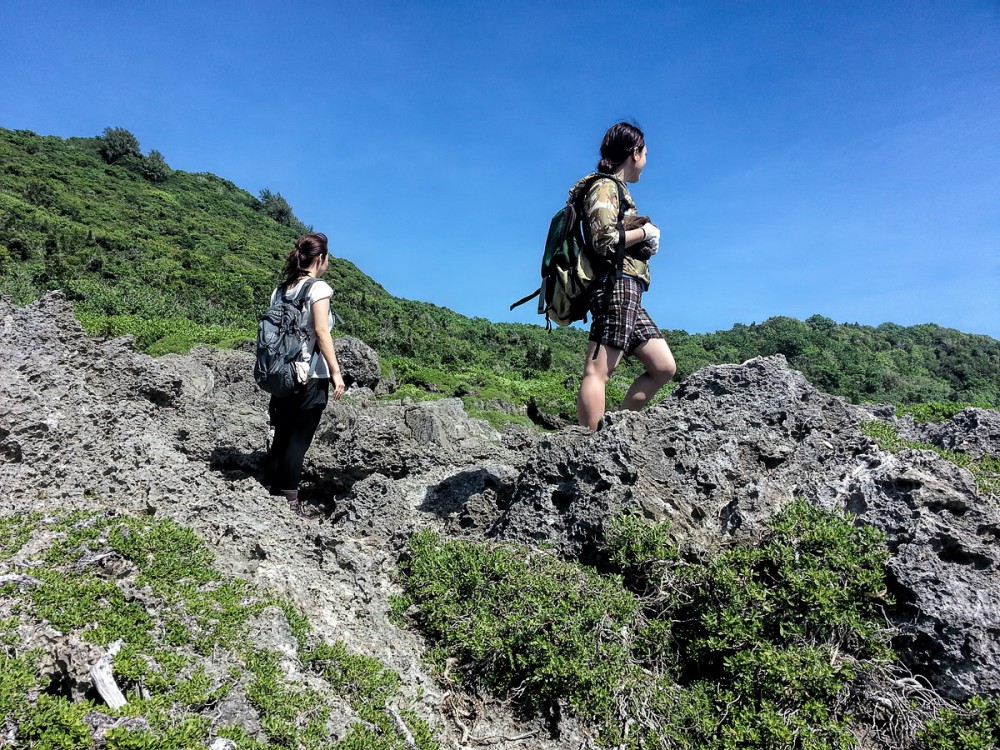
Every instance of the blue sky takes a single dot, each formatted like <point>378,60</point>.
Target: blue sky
<point>839,158</point>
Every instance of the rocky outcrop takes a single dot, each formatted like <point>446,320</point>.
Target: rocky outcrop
<point>93,424</point>
<point>972,431</point>
<point>736,443</point>
<point>731,446</point>
<point>944,571</point>
<point>359,363</point>
<point>86,423</point>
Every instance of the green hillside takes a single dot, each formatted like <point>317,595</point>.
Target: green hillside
<point>178,258</point>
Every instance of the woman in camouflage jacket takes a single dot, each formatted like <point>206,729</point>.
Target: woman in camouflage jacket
<point>620,325</point>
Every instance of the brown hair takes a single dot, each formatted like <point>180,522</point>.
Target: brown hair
<point>621,140</point>
<point>307,248</point>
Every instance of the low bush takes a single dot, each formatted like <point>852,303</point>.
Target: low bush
<point>523,622</point>
<point>972,726</point>
<point>937,411</point>
<point>757,647</point>
<point>173,610</point>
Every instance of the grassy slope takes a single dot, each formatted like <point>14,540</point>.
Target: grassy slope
<point>188,647</point>
<point>192,259</point>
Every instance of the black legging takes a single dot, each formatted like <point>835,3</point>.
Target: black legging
<point>295,420</point>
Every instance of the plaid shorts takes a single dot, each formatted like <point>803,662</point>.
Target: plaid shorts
<point>623,323</point>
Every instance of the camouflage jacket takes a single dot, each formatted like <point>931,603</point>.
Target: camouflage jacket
<point>600,215</point>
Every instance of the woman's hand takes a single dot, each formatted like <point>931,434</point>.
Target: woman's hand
<point>338,384</point>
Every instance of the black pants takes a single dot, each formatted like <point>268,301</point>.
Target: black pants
<point>295,419</point>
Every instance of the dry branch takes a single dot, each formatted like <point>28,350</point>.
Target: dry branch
<point>104,680</point>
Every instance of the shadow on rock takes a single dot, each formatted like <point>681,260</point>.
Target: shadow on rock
<point>471,500</point>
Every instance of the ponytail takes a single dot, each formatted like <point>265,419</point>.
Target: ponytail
<point>307,248</point>
<point>605,166</point>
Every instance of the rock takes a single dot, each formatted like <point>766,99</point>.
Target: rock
<point>65,661</point>
<point>735,444</point>
<point>542,419</point>
<point>972,431</point>
<point>96,425</point>
<point>730,447</point>
<point>358,362</point>
<point>88,424</point>
<point>943,571</point>
<point>356,440</point>
<point>174,381</point>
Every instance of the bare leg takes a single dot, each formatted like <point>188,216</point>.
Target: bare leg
<point>596,373</point>
<point>660,367</point>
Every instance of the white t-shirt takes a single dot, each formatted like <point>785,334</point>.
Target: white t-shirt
<point>319,290</point>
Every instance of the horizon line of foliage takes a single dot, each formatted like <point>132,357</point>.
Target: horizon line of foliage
<point>776,644</point>
<point>178,258</point>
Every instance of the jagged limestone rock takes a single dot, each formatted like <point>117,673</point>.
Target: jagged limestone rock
<point>90,424</point>
<point>733,444</point>
<point>736,443</point>
<point>973,431</point>
<point>359,363</point>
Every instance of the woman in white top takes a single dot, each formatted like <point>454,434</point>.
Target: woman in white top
<point>296,417</point>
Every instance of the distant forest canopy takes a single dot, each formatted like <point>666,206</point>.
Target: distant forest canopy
<point>178,258</point>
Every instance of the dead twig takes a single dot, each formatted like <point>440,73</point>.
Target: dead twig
<point>104,680</point>
<point>402,728</point>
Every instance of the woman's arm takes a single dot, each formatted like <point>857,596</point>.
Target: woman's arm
<point>321,322</point>
<point>602,207</point>
<point>634,236</point>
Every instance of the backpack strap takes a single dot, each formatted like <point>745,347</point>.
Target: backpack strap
<point>300,295</point>
<point>620,249</point>
<point>303,293</point>
<point>527,299</point>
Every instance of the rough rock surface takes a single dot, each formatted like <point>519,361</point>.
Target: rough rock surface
<point>85,424</point>
<point>92,424</point>
<point>972,431</point>
<point>359,363</point>
<point>736,443</point>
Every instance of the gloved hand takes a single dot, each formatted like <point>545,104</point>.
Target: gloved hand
<point>652,233</point>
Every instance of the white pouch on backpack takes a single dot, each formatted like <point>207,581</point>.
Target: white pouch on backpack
<point>301,371</point>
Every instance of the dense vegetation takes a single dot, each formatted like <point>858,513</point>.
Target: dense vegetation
<point>188,649</point>
<point>778,644</point>
<point>178,258</point>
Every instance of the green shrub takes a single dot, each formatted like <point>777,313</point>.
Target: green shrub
<point>637,549</point>
<point>974,726</point>
<point>365,681</point>
<point>815,577</point>
<point>524,621</point>
<point>936,411</point>
<point>154,167</point>
<point>118,144</point>
<point>756,647</point>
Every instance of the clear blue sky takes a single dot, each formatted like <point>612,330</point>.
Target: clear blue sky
<point>840,158</point>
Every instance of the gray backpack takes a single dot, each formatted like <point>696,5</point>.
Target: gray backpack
<point>280,338</point>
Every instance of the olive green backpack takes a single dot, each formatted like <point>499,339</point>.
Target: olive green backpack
<point>569,266</point>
